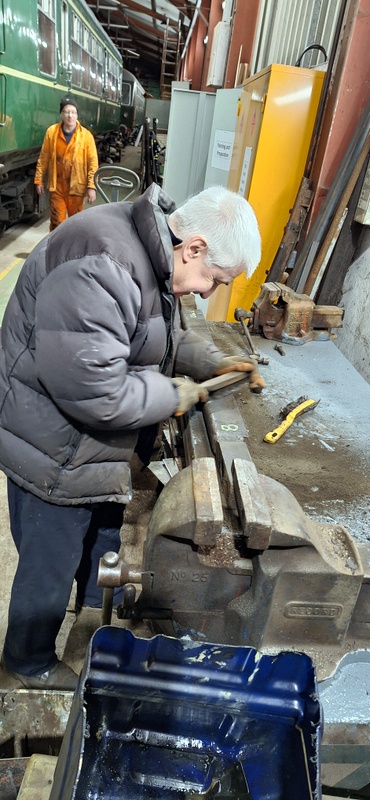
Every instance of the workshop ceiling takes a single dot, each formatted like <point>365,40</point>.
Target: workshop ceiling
<point>138,27</point>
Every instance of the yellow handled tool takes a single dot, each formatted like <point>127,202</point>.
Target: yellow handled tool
<point>290,413</point>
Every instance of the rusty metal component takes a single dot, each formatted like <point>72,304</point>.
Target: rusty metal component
<point>241,315</point>
<point>221,381</point>
<point>227,436</point>
<point>292,231</point>
<point>12,772</point>
<point>360,623</point>
<point>110,559</point>
<point>164,470</point>
<point>233,555</point>
<point>327,317</point>
<point>199,514</point>
<point>207,502</point>
<point>273,576</point>
<point>31,719</point>
<point>304,589</point>
<point>196,582</point>
<point>113,571</point>
<point>300,601</point>
<point>252,505</point>
<point>194,438</point>
<point>107,606</point>
<point>38,777</point>
<point>282,314</point>
<point>279,350</point>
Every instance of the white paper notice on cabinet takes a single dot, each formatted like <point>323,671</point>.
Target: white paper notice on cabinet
<point>222,149</point>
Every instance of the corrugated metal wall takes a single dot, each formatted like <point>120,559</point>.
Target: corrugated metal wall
<point>286,27</point>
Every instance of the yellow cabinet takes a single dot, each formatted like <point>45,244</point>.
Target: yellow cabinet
<point>276,117</point>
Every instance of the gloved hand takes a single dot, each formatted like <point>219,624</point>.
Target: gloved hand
<point>242,364</point>
<point>189,394</point>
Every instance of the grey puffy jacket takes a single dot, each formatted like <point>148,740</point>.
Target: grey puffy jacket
<point>88,337</point>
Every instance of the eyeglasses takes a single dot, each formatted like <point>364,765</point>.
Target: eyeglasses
<point>71,113</point>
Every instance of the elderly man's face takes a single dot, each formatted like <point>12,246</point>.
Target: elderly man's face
<point>192,275</point>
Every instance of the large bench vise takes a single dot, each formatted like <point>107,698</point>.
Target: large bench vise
<point>282,314</point>
<point>279,580</point>
<point>241,563</point>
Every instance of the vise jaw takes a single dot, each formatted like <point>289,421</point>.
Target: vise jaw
<point>282,314</point>
<point>267,576</point>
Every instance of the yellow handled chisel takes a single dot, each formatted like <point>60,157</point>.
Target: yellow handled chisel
<point>290,413</point>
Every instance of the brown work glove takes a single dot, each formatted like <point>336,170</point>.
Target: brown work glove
<point>189,393</point>
<point>242,364</point>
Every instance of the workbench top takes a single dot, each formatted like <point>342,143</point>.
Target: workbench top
<point>324,457</point>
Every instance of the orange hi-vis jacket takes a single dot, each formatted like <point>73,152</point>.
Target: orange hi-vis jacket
<point>70,167</point>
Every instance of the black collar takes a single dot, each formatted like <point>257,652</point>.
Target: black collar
<point>174,239</point>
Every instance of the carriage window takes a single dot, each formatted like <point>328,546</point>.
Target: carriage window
<point>113,92</point>
<point>93,65</point>
<point>85,58</point>
<point>96,67</point>
<point>126,94</point>
<point>76,50</point>
<point>46,40</point>
<point>65,36</point>
<point>99,70</point>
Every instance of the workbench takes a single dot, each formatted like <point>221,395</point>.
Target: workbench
<point>324,457</point>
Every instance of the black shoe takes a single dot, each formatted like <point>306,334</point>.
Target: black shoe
<point>58,677</point>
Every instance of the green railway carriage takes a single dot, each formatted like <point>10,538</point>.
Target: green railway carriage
<point>133,100</point>
<point>48,47</point>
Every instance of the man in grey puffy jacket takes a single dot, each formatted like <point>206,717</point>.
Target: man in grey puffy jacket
<point>92,351</point>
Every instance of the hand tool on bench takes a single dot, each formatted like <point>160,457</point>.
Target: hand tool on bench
<point>240,315</point>
<point>290,413</point>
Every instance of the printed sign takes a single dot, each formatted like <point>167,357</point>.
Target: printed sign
<point>222,149</point>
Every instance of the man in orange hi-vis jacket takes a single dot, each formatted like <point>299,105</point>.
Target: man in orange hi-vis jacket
<point>68,156</point>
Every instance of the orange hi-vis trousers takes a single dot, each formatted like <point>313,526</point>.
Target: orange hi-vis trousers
<point>61,206</point>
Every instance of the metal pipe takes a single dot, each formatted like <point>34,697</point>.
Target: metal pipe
<point>190,31</point>
<point>107,607</point>
<point>330,203</point>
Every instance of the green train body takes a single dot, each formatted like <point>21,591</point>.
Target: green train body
<point>49,47</point>
<point>133,100</point>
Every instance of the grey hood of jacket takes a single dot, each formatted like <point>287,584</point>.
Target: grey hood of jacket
<point>89,337</point>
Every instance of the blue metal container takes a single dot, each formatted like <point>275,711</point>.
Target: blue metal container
<point>164,718</point>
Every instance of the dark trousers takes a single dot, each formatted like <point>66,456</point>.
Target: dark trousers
<point>55,545</point>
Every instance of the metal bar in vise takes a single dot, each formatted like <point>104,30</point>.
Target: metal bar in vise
<point>220,381</point>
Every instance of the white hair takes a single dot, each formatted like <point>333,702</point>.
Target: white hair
<point>227,222</point>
